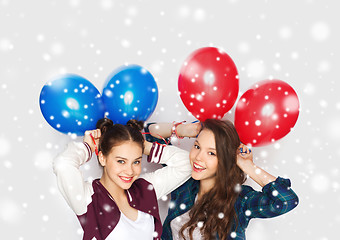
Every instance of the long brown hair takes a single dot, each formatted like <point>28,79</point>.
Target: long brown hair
<point>216,207</point>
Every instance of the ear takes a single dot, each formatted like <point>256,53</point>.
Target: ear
<point>102,159</point>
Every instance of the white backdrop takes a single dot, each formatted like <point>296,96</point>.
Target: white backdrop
<point>295,41</point>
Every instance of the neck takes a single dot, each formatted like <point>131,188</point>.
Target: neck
<point>205,186</point>
<point>115,191</point>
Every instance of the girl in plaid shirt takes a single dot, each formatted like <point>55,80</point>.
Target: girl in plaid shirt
<point>213,203</point>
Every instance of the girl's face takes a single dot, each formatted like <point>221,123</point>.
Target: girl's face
<point>203,156</point>
<point>123,164</point>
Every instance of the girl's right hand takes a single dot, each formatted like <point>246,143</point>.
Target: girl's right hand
<point>96,135</point>
<point>244,157</point>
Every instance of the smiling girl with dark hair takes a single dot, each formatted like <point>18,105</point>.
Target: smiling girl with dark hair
<point>213,203</point>
<point>122,204</point>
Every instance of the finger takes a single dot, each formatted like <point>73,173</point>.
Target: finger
<point>248,149</point>
<point>242,152</point>
<point>95,134</point>
<point>245,149</point>
<point>90,132</point>
<point>240,148</point>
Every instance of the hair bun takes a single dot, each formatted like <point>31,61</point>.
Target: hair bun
<point>103,124</point>
<point>139,125</point>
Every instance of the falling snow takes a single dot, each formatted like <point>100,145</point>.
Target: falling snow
<point>93,38</point>
<point>10,211</point>
<point>5,146</point>
<point>320,31</point>
<point>256,69</point>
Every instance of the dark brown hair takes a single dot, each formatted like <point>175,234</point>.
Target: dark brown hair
<point>216,207</point>
<point>114,134</point>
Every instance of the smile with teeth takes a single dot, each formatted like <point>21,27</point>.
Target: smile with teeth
<point>197,167</point>
<point>126,179</point>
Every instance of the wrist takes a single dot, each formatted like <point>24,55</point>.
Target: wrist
<point>189,129</point>
<point>178,130</point>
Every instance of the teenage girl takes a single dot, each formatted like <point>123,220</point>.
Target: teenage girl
<point>121,204</point>
<point>213,203</point>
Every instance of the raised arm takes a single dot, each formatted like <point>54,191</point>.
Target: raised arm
<point>180,129</point>
<point>245,162</point>
<point>70,181</point>
<point>276,197</point>
<point>174,174</point>
<point>71,184</point>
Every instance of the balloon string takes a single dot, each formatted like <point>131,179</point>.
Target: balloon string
<point>96,149</point>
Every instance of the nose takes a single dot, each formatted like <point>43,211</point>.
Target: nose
<point>129,170</point>
<point>199,155</point>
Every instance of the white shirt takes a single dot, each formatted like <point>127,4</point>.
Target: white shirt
<point>127,229</point>
<point>176,225</point>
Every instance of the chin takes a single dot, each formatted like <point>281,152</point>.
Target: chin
<point>126,186</point>
<point>195,176</point>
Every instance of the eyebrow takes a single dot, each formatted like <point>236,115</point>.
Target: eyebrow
<point>200,144</point>
<point>124,158</point>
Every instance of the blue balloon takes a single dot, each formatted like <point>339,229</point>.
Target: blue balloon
<point>130,92</point>
<point>71,104</point>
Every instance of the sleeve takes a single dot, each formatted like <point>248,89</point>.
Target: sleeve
<point>74,189</point>
<point>176,172</point>
<point>275,199</point>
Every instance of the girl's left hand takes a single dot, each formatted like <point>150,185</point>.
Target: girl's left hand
<point>244,156</point>
<point>88,139</point>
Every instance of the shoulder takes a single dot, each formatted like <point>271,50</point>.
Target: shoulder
<point>189,187</point>
<point>141,187</point>
<point>190,183</point>
<point>141,183</point>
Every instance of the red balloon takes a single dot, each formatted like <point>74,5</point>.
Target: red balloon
<point>266,112</point>
<point>208,83</point>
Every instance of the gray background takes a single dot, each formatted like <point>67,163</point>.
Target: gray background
<point>295,41</point>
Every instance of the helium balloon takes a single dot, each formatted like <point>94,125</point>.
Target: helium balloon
<point>130,92</point>
<point>208,83</point>
<point>266,112</point>
<point>71,104</point>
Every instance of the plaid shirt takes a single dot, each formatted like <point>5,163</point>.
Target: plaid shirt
<point>275,199</point>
